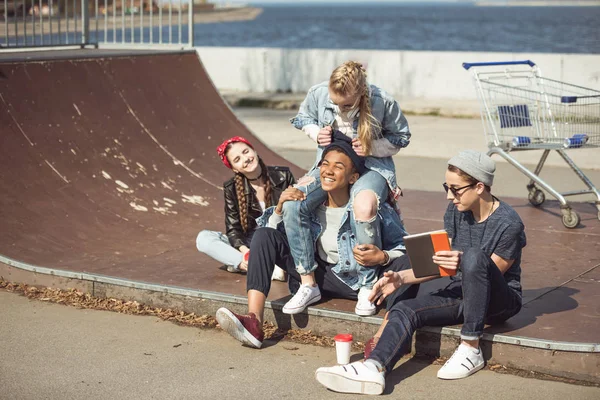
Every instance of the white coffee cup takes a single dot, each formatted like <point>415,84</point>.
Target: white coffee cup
<point>343,343</point>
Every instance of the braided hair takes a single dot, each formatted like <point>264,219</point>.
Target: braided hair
<point>239,180</point>
<point>350,79</point>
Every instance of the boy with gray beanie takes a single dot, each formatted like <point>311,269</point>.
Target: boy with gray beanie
<point>487,239</point>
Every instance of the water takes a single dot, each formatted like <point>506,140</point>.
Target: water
<point>433,27</point>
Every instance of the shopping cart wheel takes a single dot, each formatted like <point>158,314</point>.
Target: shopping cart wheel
<point>536,197</point>
<point>570,218</point>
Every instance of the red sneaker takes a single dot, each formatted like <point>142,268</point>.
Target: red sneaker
<point>370,346</point>
<point>244,328</point>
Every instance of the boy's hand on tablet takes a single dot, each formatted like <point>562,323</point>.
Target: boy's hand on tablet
<point>449,259</point>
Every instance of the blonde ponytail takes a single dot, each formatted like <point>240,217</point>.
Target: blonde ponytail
<point>350,79</point>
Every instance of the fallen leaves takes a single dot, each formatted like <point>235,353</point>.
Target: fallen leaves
<point>76,298</point>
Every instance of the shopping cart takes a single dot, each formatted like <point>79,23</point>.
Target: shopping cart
<point>521,110</point>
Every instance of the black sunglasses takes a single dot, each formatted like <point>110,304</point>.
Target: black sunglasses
<point>454,191</point>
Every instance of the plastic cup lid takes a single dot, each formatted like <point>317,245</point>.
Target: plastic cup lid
<point>343,337</point>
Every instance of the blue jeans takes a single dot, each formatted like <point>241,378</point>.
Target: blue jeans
<point>482,296</point>
<point>216,245</point>
<point>296,217</point>
<point>270,247</point>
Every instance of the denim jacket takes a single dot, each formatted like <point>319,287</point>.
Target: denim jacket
<point>347,269</point>
<point>317,108</point>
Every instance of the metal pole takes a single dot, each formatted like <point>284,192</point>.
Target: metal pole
<point>96,33</point>
<point>151,21</point>
<point>170,21</point>
<point>67,21</point>
<point>131,22</point>
<point>59,22</point>
<point>105,21</point>
<point>122,21</point>
<point>25,22</point>
<point>179,23</point>
<point>160,25</point>
<point>85,23</point>
<point>114,21</point>
<point>51,20</point>
<point>33,19</point>
<point>16,23</point>
<point>6,22</point>
<point>41,23</point>
<point>142,21</point>
<point>191,23</point>
<point>75,20</point>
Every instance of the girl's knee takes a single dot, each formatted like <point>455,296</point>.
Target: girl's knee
<point>365,205</point>
<point>204,239</point>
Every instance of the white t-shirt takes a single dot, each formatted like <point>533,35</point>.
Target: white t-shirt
<point>344,124</point>
<point>331,219</point>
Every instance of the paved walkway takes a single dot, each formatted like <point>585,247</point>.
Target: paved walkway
<point>51,351</point>
<point>420,166</point>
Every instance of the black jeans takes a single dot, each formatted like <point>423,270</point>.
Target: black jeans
<point>270,247</point>
<point>482,296</point>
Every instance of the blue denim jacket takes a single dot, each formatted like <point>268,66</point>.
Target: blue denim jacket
<point>317,108</point>
<point>347,269</point>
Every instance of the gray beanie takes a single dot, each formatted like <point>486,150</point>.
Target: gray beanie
<point>479,165</point>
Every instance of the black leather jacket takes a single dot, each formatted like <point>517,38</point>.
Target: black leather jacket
<point>281,178</point>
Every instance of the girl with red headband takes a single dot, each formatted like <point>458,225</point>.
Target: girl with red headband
<point>253,188</point>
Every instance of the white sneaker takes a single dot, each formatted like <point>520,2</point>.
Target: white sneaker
<point>364,307</point>
<point>464,362</point>
<point>352,378</point>
<point>278,274</point>
<point>305,296</point>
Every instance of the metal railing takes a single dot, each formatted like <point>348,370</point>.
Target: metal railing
<point>103,23</point>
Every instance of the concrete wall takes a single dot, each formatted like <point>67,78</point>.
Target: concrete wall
<point>405,74</point>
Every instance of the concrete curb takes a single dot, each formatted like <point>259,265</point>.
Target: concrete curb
<point>563,359</point>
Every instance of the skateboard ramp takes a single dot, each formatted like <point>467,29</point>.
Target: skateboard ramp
<point>108,165</point>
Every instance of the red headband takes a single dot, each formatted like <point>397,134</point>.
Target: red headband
<point>223,146</point>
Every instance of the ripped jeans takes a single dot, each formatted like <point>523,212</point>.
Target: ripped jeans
<point>296,217</point>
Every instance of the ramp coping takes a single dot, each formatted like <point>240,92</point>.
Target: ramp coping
<point>209,295</point>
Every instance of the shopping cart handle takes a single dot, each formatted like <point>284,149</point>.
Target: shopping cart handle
<point>489,64</point>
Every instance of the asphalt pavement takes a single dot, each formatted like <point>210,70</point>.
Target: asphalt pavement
<point>51,351</point>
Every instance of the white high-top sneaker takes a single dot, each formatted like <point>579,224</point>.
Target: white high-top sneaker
<point>305,296</point>
<point>364,307</point>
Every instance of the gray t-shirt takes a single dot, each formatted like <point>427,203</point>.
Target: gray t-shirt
<point>503,234</point>
<point>327,245</point>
